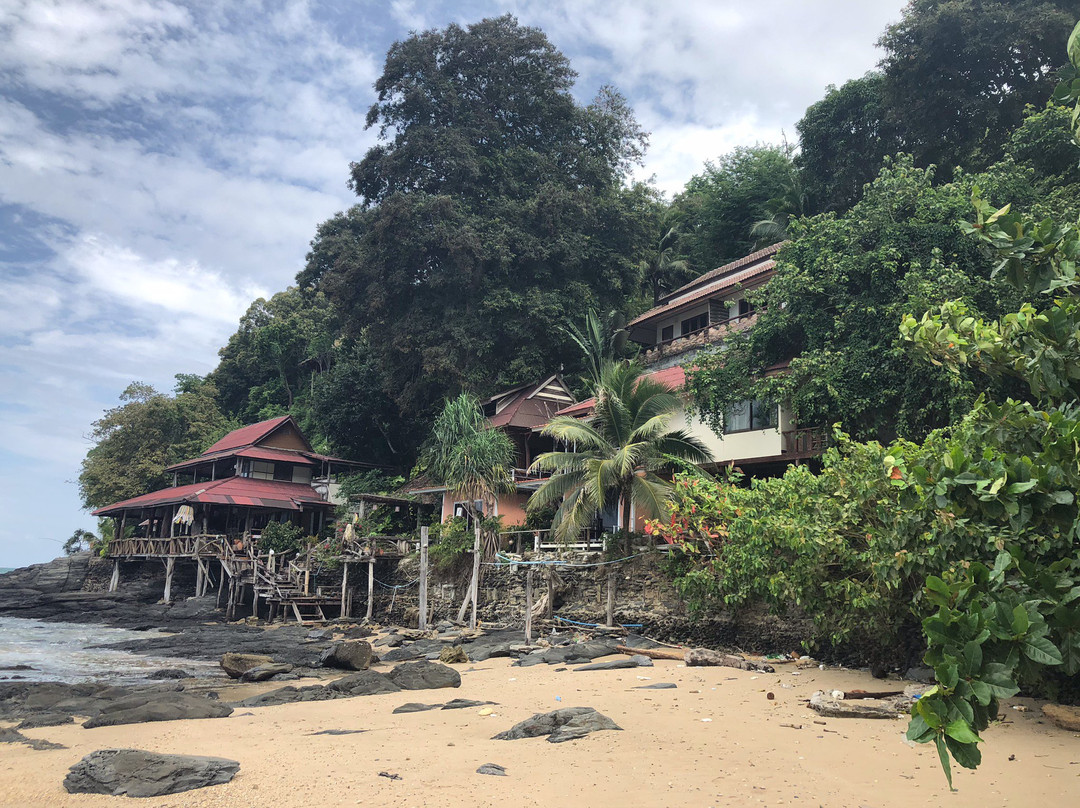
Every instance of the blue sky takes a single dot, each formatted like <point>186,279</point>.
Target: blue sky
<point>163,163</point>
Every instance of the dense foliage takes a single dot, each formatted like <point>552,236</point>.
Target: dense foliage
<point>135,441</point>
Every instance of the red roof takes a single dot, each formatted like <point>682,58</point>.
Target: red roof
<point>253,452</point>
<point>672,378</point>
<point>229,491</point>
<point>247,435</point>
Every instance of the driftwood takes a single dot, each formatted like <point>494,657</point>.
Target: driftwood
<point>833,708</point>
<point>697,657</point>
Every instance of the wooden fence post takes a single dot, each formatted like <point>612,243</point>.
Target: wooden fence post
<point>170,564</point>
<point>423,577</point>
<point>114,582</point>
<point>528,605</point>
<point>549,607</point>
<point>611,598</point>
<point>370,587</point>
<point>475,576</point>
<point>344,587</point>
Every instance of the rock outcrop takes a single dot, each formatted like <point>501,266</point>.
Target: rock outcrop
<point>135,773</point>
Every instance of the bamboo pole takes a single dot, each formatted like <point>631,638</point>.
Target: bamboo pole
<point>170,565</point>
<point>114,582</point>
<point>423,577</point>
<point>610,598</point>
<point>344,586</point>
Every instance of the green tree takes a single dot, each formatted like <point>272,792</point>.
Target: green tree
<point>841,286</point>
<point>616,454</point>
<point>601,340</point>
<point>959,73</point>
<point>134,442</point>
<point>719,207</point>
<point>492,204</point>
<point>661,269</point>
<point>470,458</point>
<point>843,139</point>
<point>79,541</point>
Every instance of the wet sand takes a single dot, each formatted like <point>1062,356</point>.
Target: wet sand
<point>717,740</point>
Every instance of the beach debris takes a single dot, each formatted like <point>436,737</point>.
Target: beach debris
<point>237,664</point>
<point>262,673</point>
<point>424,676</point>
<point>792,726</point>
<point>492,768</point>
<point>698,657</point>
<point>338,732</point>
<point>658,686</point>
<point>464,704</point>
<point>349,655</point>
<point>566,724</point>
<point>145,707</point>
<point>770,695</point>
<point>14,736</point>
<point>1062,716</point>
<point>454,655</point>
<point>390,775</point>
<point>485,711</point>
<point>136,773</point>
<point>1020,708</point>
<point>822,704</point>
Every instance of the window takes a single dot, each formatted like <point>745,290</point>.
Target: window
<point>283,471</point>
<point>745,307</point>
<point>695,323</point>
<point>667,334</point>
<point>258,469</point>
<point>746,416</point>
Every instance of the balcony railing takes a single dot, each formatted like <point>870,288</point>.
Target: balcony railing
<point>807,442</point>
<point>709,335</point>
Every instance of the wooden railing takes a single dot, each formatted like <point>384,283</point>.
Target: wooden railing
<point>200,546</point>
<point>808,442</point>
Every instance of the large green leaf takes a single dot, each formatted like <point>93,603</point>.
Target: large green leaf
<point>1041,650</point>
<point>943,757</point>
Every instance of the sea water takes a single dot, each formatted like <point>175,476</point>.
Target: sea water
<point>65,652</point>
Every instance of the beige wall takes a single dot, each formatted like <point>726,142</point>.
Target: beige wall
<point>511,507</point>
<point>740,445</point>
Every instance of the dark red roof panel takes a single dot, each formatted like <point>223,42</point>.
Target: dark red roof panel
<point>247,435</point>
<point>229,491</point>
<point>673,378</point>
<point>254,452</point>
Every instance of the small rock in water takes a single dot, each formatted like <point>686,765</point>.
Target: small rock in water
<point>492,768</point>
<point>169,673</point>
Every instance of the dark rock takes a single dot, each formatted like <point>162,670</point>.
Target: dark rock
<point>658,686</point>
<point>260,673</point>
<point>461,704</point>
<point>169,673</point>
<point>920,674</point>
<point>424,676</point>
<point>416,707</point>
<point>236,665</point>
<point>338,732</point>
<point>561,725</point>
<point>365,683</point>
<point>617,664</point>
<point>351,655</point>
<point>45,720</point>
<point>390,640</point>
<point>492,768</point>
<point>402,654</point>
<point>18,668</point>
<point>142,708</point>
<point>135,773</point>
<point>14,736</point>
<point>357,632</point>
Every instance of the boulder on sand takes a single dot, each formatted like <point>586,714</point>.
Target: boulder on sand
<point>260,673</point>
<point>566,724</point>
<point>144,707</point>
<point>350,655</point>
<point>135,773</point>
<point>236,665</point>
<point>424,676</point>
<point>453,655</point>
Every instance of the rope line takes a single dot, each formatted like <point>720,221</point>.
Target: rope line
<point>504,561</point>
<point>595,625</point>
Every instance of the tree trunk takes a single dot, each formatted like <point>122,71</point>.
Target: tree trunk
<point>627,549</point>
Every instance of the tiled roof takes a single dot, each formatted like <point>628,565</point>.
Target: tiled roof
<point>229,491</point>
<point>739,263</point>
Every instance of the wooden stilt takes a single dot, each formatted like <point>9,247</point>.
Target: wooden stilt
<point>114,582</point>
<point>200,577</point>
<point>549,607</point>
<point>423,577</point>
<point>611,598</point>
<point>475,576</point>
<point>344,586</point>
<point>221,586</point>
<point>370,588</point>
<point>528,605</point>
<point>170,565</point>
<point>307,572</point>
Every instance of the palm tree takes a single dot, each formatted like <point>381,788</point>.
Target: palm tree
<point>792,203</point>
<point>616,453</point>
<point>601,339</point>
<point>662,267</point>
<point>469,457</point>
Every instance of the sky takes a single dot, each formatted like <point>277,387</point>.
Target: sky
<point>163,164</point>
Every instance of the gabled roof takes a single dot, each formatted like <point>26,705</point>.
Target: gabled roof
<point>528,405</point>
<point>713,283</point>
<point>253,433</point>
<point>229,491</point>
<point>254,453</point>
<point>672,378</point>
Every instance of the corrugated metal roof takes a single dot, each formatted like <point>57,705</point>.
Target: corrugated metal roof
<point>247,435</point>
<point>253,452</point>
<point>229,491</point>
<point>673,378</point>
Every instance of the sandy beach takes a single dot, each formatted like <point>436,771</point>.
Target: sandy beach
<point>715,740</point>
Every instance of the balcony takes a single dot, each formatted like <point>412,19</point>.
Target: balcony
<point>710,335</point>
